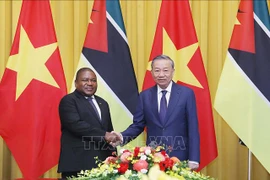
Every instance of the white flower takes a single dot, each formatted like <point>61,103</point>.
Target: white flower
<point>115,171</point>
<point>144,171</point>
<point>143,157</point>
<point>121,151</point>
<point>105,173</point>
<point>128,173</point>
<point>147,151</point>
<point>174,168</point>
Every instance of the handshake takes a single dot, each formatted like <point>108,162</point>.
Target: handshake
<point>114,138</point>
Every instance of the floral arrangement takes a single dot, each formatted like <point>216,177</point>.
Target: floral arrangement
<point>141,163</point>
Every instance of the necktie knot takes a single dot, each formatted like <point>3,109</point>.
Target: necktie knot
<point>164,92</point>
<point>90,99</point>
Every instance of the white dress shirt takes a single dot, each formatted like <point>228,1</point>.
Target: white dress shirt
<point>168,94</point>
<point>96,104</point>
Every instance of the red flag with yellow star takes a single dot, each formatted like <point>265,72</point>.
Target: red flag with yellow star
<point>31,87</point>
<point>176,37</point>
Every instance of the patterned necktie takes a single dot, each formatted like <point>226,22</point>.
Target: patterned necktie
<point>163,107</point>
<point>90,100</point>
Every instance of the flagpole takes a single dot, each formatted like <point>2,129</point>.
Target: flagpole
<point>249,164</point>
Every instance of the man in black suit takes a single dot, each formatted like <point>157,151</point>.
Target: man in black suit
<point>85,125</point>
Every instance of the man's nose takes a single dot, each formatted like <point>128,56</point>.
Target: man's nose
<point>89,82</point>
<point>162,73</point>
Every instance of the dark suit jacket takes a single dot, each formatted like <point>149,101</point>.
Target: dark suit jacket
<point>180,131</point>
<point>82,133</point>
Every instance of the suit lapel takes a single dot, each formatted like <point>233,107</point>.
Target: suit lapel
<point>93,112</point>
<point>154,104</point>
<point>101,107</point>
<point>174,98</point>
<point>88,105</point>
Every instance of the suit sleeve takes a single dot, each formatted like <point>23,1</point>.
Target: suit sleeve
<point>110,126</point>
<point>193,129</point>
<point>70,120</point>
<point>137,127</point>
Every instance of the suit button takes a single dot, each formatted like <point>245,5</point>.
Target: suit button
<point>163,129</point>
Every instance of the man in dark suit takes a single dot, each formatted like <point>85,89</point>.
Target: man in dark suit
<point>171,120</point>
<point>85,125</point>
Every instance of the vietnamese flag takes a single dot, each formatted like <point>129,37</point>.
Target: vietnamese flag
<point>30,90</point>
<point>176,37</point>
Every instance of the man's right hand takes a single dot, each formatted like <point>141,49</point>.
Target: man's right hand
<point>116,139</point>
<point>113,138</point>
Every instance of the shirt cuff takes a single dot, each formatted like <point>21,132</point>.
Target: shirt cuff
<point>193,162</point>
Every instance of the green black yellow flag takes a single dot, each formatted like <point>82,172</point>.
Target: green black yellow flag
<point>243,95</point>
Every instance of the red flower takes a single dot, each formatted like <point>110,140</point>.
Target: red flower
<point>123,168</point>
<point>166,164</point>
<point>126,150</point>
<point>136,151</point>
<point>139,165</point>
<point>164,153</point>
<point>161,166</point>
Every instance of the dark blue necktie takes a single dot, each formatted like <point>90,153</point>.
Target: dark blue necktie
<point>90,100</point>
<point>163,107</point>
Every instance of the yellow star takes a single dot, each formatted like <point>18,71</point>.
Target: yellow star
<point>91,7</point>
<point>237,21</point>
<point>181,59</point>
<point>90,21</point>
<point>30,63</point>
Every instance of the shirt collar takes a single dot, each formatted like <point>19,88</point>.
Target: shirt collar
<point>168,89</point>
<point>93,97</point>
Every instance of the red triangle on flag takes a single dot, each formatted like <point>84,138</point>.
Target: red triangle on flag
<point>243,34</point>
<point>96,37</point>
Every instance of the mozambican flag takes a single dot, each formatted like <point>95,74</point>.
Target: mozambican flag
<point>243,94</point>
<point>106,51</point>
